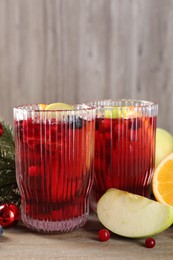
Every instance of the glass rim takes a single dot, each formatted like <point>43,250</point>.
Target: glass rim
<point>139,103</point>
<point>75,107</point>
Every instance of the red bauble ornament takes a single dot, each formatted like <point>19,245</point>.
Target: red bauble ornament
<point>1,129</point>
<point>9,215</point>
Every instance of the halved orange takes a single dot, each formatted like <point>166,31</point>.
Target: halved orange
<point>162,182</point>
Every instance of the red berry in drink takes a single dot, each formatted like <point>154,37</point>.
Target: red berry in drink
<point>150,242</point>
<point>104,235</point>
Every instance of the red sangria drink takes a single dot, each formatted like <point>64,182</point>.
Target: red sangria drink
<point>54,165</point>
<point>124,147</point>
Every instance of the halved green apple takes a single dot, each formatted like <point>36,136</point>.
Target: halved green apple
<point>164,144</point>
<point>131,215</point>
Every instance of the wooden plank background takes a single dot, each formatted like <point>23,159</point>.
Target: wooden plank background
<point>79,50</point>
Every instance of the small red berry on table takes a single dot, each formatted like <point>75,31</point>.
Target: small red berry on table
<point>104,235</point>
<point>150,242</point>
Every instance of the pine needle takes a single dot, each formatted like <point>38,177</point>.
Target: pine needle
<point>9,192</point>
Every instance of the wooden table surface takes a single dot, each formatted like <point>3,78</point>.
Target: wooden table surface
<point>21,243</point>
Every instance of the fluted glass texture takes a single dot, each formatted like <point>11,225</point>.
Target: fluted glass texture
<point>54,166</point>
<point>124,146</point>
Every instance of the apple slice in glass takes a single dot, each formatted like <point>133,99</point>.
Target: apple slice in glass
<point>131,215</point>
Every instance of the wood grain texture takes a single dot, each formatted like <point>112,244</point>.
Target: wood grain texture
<point>82,244</point>
<point>80,50</point>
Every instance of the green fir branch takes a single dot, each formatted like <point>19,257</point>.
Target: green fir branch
<point>9,192</point>
<point>7,148</point>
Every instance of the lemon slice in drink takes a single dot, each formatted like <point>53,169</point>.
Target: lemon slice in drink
<point>58,106</point>
<point>112,112</point>
<point>120,112</point>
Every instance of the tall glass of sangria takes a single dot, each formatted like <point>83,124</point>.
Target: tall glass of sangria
<point>54,165</point>
<point>124,146</point>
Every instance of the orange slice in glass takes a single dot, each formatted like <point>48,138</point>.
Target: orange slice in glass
<point>42,106</point>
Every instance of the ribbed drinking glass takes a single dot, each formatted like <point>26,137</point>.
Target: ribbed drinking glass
<point>124,146</point>
<point>54,165</point>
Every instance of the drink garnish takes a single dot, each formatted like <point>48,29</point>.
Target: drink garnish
<point>42,106</point>
<point>121,112</point>
<point>58,106</point>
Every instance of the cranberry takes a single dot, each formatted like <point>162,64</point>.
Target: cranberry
<point>150,242</point>
<point>104,235</point>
